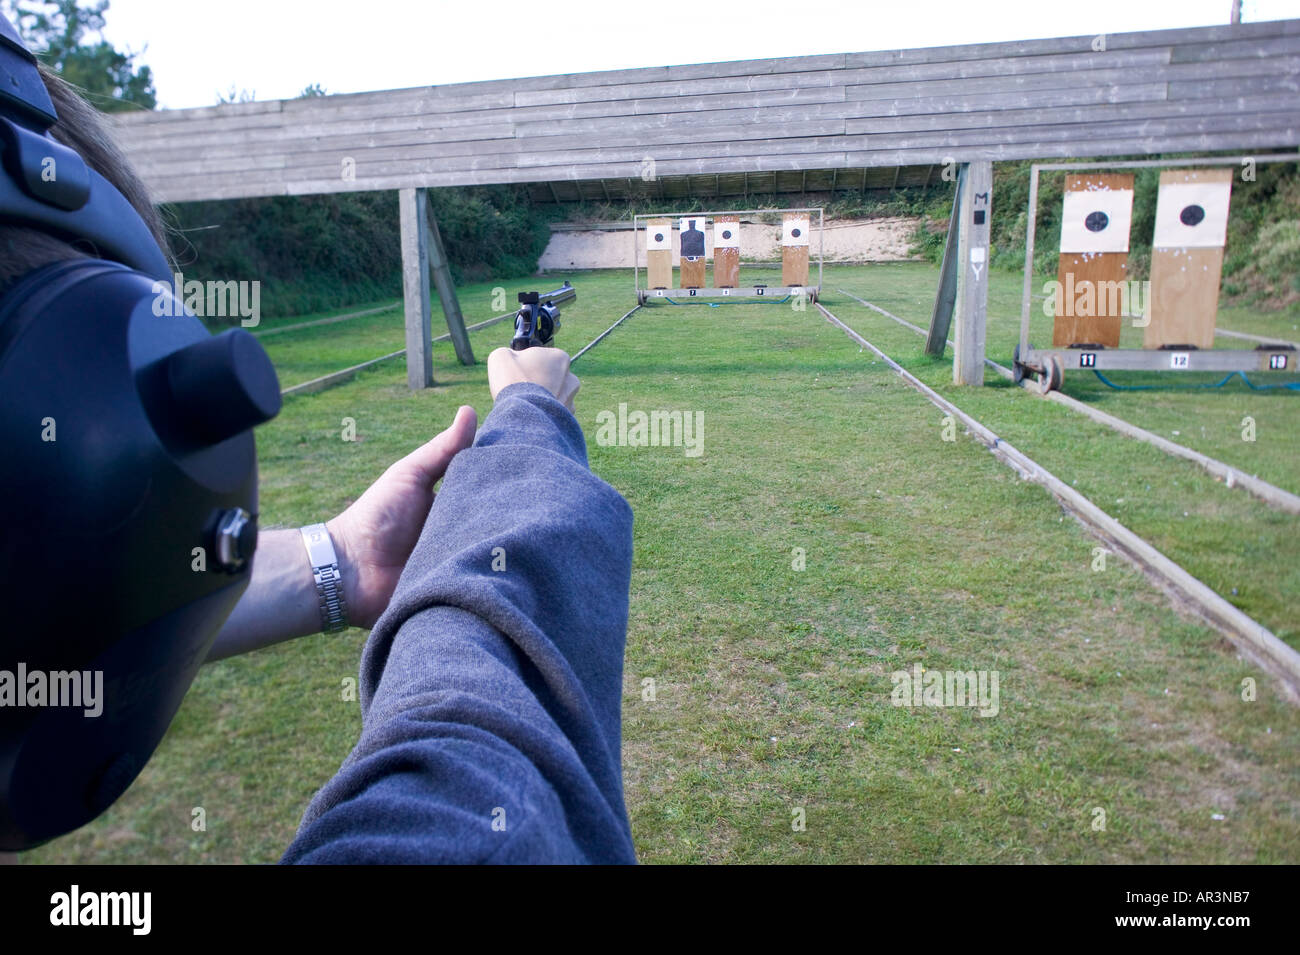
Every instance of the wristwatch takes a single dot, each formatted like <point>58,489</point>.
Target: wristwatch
<point>329,579</point>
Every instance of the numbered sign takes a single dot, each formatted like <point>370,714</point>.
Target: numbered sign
<point>1187,256</point>
<point>726,252</point>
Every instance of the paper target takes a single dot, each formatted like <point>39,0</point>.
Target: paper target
<point>692,233</point>
<point>1192,215</point>
<point>726,235</point>
<point>1096,220</point>
<point>794,230</point>
<point>658,236</point>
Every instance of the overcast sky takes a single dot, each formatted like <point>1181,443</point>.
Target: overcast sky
<point>274,48</point>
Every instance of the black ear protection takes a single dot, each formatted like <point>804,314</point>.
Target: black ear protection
<point>128,475</point>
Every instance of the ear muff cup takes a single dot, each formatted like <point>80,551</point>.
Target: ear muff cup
<point>126,434</point>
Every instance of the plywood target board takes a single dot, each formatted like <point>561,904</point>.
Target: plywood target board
<point>726,252</point>
<point>659,253</point>
<point>1187,256</point>
<point>693,258</point>
<point>794,248</point>
<point>1092,273</point>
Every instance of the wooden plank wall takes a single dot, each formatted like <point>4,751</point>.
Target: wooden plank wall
<point>1204,88</point>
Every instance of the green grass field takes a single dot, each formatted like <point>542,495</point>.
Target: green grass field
<point>772,684</point>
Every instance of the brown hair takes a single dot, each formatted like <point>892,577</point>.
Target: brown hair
<point>82,128</point>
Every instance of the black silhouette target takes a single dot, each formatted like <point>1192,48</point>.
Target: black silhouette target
<point>1096,221</point>
<point>692,241</point>
<point>1192,215</point>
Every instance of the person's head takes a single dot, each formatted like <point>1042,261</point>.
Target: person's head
<point>82,129</point>
<point>129,466</point>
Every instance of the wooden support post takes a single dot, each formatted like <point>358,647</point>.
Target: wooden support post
<point>973,271</point>
<point>441,268</point>
<point>415,287</point>
<point>946,297</point>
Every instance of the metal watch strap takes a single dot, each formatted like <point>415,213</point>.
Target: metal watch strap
<point>329,579</point>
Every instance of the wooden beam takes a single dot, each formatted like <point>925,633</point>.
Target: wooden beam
<point>973,274</point>
<point>1186,90</point>
<point>946,296</point>
<point>894,185</point>
<point>412,212</point>
<point>441,268</point>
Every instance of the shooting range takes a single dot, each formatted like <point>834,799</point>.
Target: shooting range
<point>714,249</point>
<point>953,390</point>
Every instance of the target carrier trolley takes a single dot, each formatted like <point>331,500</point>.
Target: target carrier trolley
<point>1186,261</point>
<point>750,239</point>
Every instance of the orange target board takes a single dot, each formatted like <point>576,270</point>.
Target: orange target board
<point>659,253</point>
<point>1092,273</point>
<point>726,252</point>
<point>1187,257</point>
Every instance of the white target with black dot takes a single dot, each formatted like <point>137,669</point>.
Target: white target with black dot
<point>658,237</point>
<point>794,230</point>
<point>1192,215</point>
<point>726,235</point>
<point>1096,220</point>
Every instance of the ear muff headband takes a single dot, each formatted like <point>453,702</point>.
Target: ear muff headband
<point>48,186</point>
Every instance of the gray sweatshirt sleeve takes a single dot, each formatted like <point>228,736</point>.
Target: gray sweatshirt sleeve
<point>491,686</point>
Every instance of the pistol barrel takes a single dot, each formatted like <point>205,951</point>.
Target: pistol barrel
<point>565,293</point>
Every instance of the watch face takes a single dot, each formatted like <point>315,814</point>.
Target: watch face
<point>320,548</point>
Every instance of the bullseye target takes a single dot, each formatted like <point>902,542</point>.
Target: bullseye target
<point>659,253</point>
<point>658,236</point>
<point>1096,220</point>
<point>726,252</point>
<point>794,230</point>
<point>1192,215</point>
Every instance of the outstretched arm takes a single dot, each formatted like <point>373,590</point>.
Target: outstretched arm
<point>491,687</point>
<point>372,539</point>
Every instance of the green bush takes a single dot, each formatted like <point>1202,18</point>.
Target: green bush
<point>314,253</point>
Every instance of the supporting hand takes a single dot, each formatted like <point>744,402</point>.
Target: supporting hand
<point>375,536</point>
<point>548,367</point>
